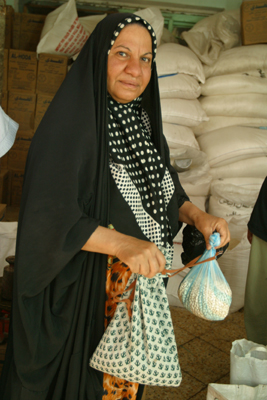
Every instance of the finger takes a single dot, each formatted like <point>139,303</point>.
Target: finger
<point>135,267</point>
<point>161,260</point>
<point>224,235</point>
<point>154,268</point>
<point>145,269</point>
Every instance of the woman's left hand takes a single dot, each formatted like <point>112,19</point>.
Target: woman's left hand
<point>205,223</point>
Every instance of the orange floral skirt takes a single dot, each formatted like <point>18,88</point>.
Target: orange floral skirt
<point>117,276</point>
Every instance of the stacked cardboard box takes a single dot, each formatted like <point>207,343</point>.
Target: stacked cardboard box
<point>29,87</point>
<point>254,22</point>
<point>9,27</point>
<point>27,30</point>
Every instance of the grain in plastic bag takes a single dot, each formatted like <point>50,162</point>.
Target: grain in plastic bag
<point>204,291</point>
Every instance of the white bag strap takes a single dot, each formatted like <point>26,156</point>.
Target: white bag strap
<point>259,352</point>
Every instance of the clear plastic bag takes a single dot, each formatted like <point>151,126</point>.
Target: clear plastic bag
<point>204,291</point>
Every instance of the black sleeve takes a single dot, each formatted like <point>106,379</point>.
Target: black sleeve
<point>258,220</point>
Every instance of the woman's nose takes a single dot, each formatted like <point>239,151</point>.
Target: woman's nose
<point>133,67</point>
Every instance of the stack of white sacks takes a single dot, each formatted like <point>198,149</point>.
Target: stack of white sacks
<point>180,74</point>
<point>234,139</point>
<point>223,169</point>
<point>234,97</point>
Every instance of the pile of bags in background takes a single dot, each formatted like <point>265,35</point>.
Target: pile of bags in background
<point>230,134</point>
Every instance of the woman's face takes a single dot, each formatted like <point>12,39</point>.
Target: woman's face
<point>129,63</point>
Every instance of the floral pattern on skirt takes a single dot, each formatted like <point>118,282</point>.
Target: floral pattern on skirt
<point>117,276</point>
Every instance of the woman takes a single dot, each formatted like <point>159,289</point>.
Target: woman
<point>98,157</point>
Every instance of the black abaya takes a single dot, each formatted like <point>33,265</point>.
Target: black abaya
<point>59,290</point>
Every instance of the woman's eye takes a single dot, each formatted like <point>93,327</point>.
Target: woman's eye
<point>122,53</point>
<point>146,60</point>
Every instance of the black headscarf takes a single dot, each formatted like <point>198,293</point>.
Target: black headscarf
<point>59,290</point>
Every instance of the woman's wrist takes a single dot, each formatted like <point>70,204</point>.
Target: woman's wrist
<point>190,214</point>
<point>104,241</point>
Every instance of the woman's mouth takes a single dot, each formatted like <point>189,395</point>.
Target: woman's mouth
<point>128,84</point>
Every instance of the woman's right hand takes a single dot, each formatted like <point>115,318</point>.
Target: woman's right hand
<point>140,256</point>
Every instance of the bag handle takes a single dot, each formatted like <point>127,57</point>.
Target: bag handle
<point>170,273</point>
<point>258,352</point>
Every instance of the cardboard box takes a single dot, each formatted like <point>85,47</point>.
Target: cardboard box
<point>254,22</point>
<point>5,69</point>
<point>4,98</point>
<point>9,26</point>
<point>16,31</point>
<point>4,181</point>
<point>3,162</point>
<point>42,104</point>
<point>2,211</point>
<point>17,155</point>
<point>16,187</point>
<point>52,70</point>
<point>21,108</point>
<point>27,30</point>
<point>22,70</point>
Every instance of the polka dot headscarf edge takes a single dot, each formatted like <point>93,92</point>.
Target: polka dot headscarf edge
<point>132,20</point>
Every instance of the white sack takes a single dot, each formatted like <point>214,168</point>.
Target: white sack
<point>197,179</point>
<point>174,282</point>
<point>233,84</point>
<point>241,191</point>
<point>168,37</point>
<point>248,363</point>
<point>256,72</point>
<point>89,22</point>
<point>182,112</point>
<point>8,131</point>
<point>179,86</point>
<point>220,207</point>
<point>198,185</point>
<point>219,121</point>
<point>154,17</point>
<point>8,234</point>
<point>213,34</point>
<point>228,145</point>
<point>178,136</point>
<point>218,391</point>
<point>251,105</point>
<point>251,167</point>
<point>173,58</point>
<point>234,262</point>
<point>234,265</point>
<point>62,32</point>
<point>239,59</point>
<point>186,158</point>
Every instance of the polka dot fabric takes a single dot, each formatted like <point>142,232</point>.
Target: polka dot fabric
<point>138,170</point>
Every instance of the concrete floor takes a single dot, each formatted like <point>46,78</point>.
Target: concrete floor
<point>204,354</point>
<point>203,349</point>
